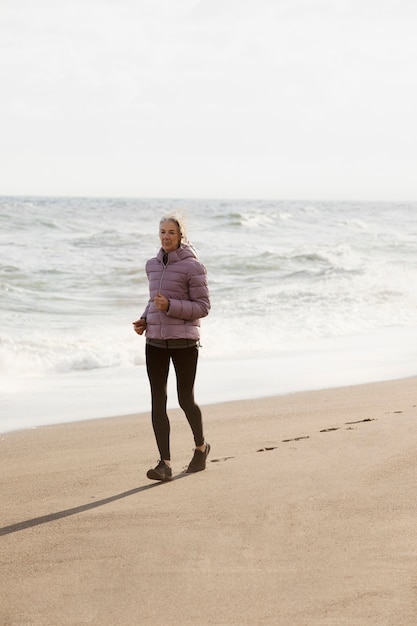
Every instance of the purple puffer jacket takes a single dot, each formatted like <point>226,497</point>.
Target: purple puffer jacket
<point>183,280</point>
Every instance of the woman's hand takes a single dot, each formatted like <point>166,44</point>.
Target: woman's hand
<point>139,326</point>
<point>161,302</point>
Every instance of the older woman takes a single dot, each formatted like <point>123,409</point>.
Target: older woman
<point>179,297</point>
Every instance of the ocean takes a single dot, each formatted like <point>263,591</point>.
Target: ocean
<point>305,295</point>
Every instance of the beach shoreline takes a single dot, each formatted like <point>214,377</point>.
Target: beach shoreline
<point>305,515</point>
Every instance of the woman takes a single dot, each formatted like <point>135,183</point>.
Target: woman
<point>178,298</point>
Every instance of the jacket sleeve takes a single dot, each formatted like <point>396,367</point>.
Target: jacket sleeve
<point>145,313</point>
<point>198,304</point>
<point>147,270</point>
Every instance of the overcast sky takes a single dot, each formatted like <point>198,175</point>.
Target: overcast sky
<point>286,99</point>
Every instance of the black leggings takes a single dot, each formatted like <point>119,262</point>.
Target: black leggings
<point>185,364</point>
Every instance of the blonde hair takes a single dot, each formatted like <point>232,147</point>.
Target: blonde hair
<point>179,221</point>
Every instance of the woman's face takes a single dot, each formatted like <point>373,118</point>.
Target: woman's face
<point>169,235</point>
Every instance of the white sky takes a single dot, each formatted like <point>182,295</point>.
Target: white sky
<point>303,99</point>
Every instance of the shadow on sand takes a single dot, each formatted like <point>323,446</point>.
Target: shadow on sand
<point>51,517</point>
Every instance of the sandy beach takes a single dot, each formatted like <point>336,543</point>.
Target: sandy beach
<point>305,515</point>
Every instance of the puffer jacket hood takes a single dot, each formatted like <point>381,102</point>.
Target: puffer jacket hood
<point>183,280</point>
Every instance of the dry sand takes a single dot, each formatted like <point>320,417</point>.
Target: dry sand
<point>305,515</point>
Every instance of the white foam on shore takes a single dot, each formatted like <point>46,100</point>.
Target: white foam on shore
<point>383,355</point>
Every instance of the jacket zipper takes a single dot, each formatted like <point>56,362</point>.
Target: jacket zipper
<point>160,289</point>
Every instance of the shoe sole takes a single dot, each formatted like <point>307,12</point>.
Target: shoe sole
<point>155,476</point>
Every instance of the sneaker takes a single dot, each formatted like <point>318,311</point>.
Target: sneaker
<point>160,472</point>
<point>198,462</point>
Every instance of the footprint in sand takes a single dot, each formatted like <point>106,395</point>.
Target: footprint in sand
<point>295,439</point>
<point>224,458</point>
<point>368,419</point>
<point>323,430</point>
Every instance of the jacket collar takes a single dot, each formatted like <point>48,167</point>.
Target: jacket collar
<point>183,252</point>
